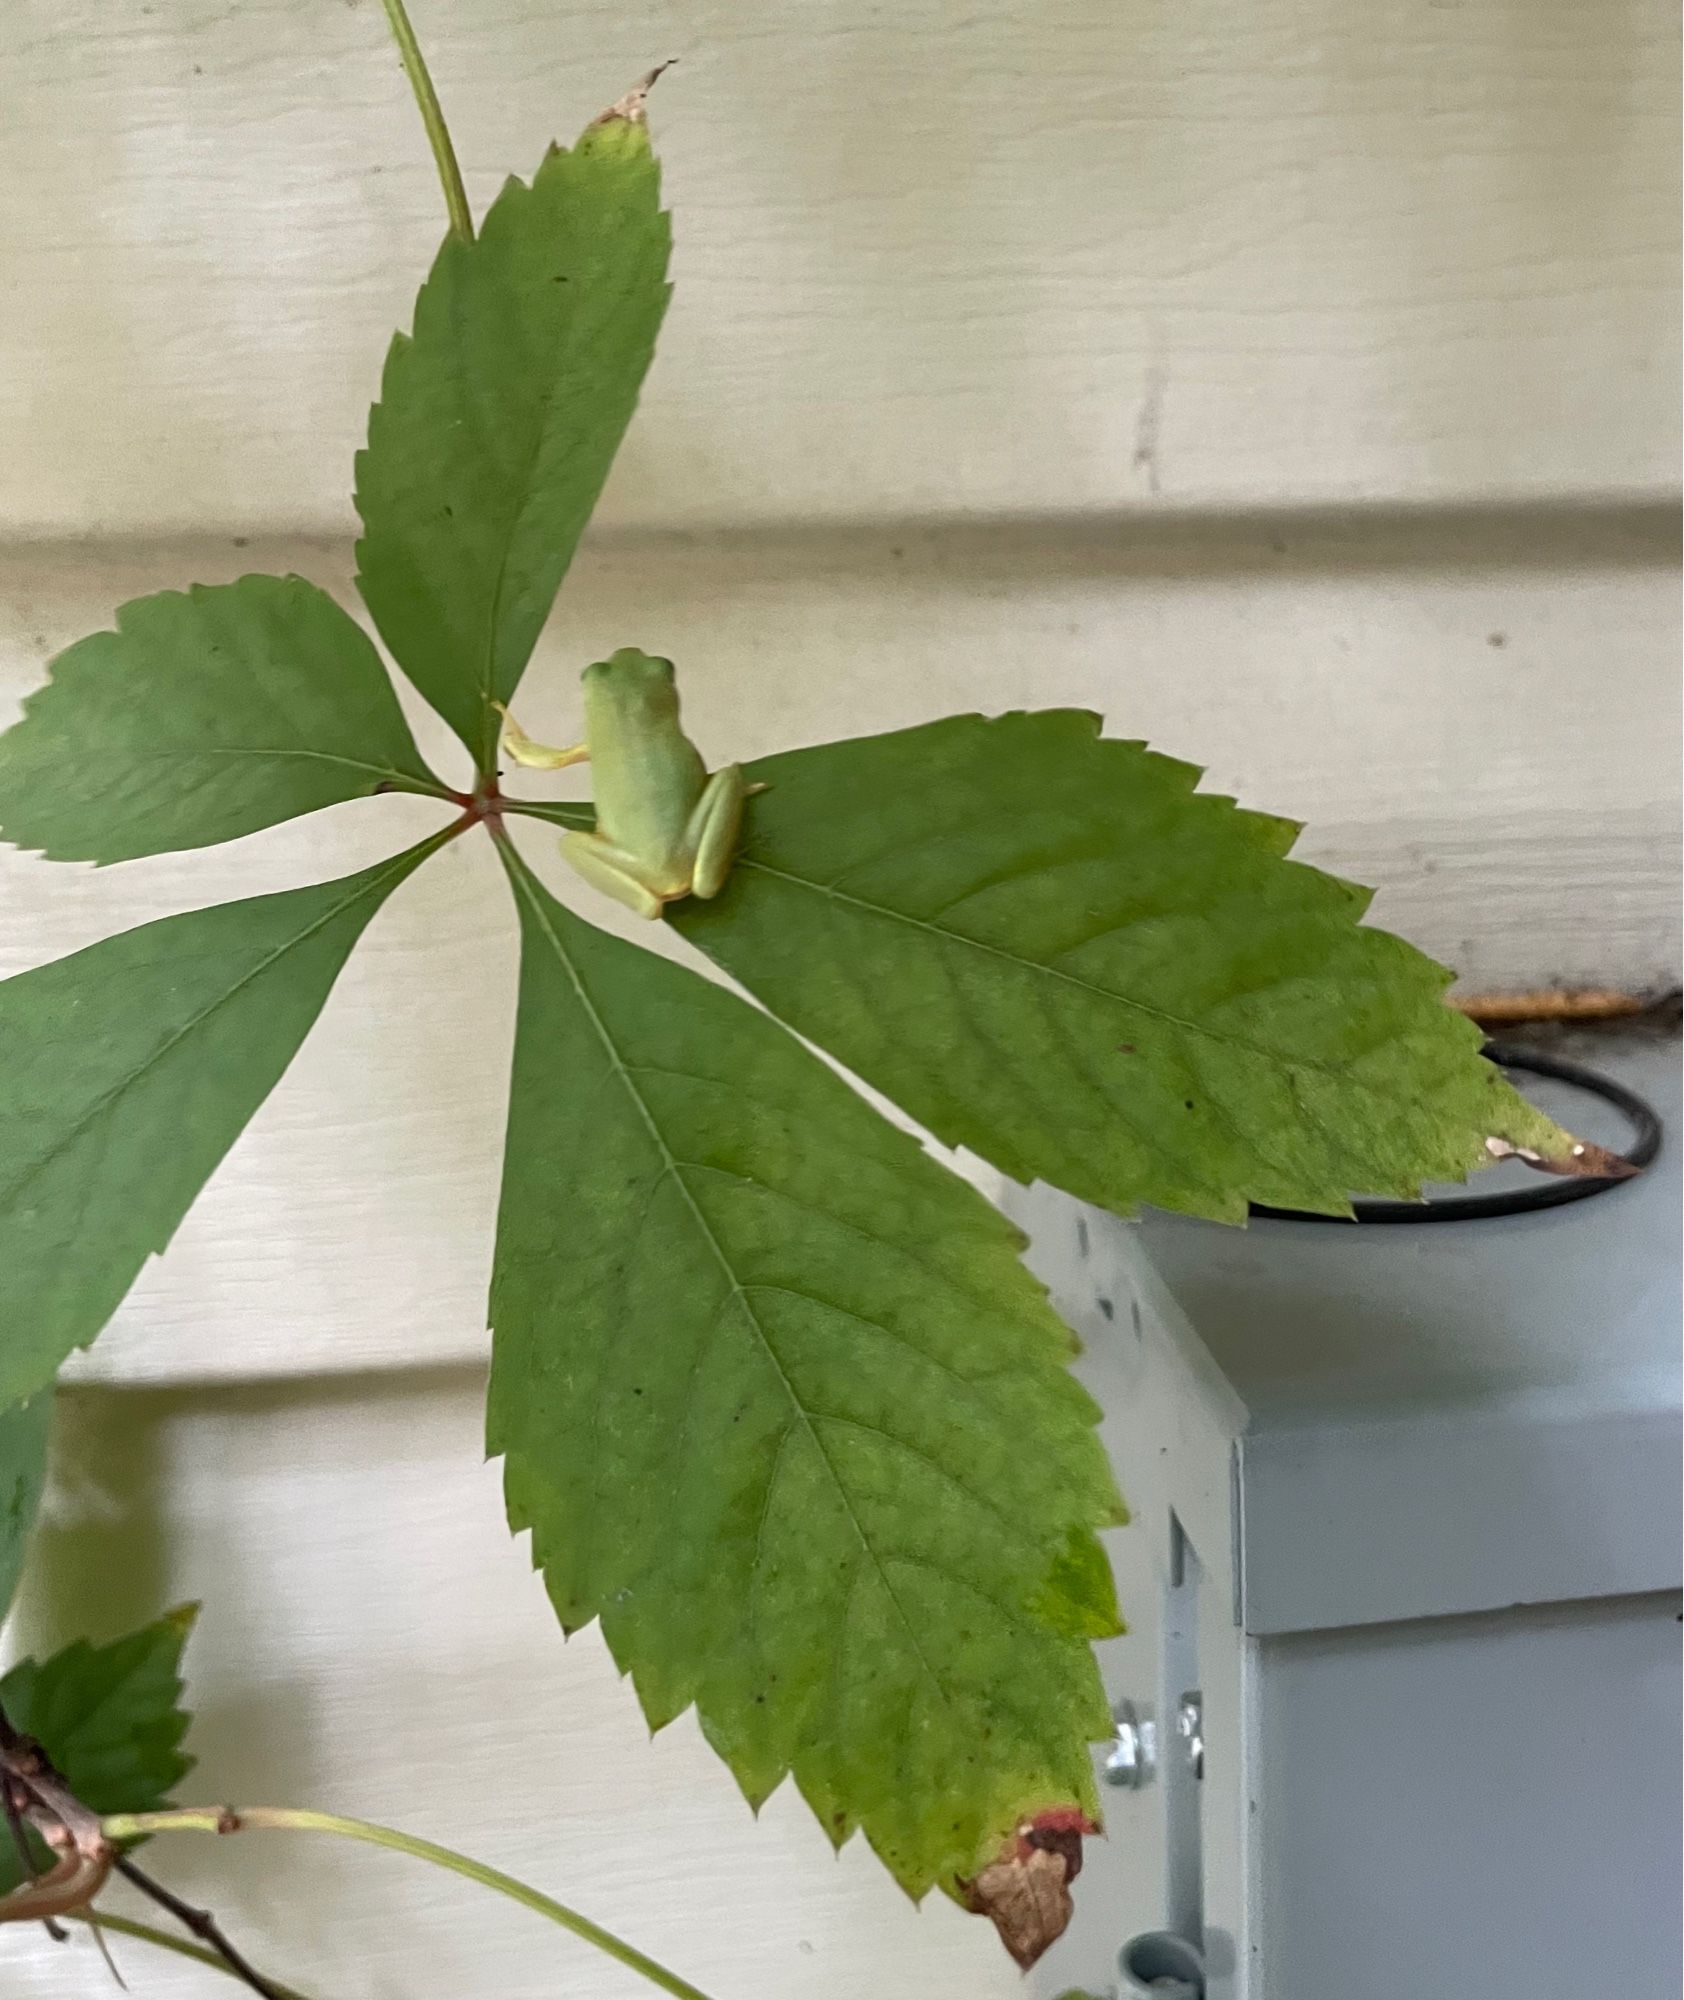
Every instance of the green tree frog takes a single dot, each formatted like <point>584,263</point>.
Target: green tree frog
<point>665,828</point>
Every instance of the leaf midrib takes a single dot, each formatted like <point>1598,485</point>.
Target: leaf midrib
<point>563,335</point>
<point>562,813</point>
<point>525,884</point>
<point>195,751</point>
<point>106,1098</point>
<point>1290,1067</point>
<point>1162,1014</point>
<point>581,816</point>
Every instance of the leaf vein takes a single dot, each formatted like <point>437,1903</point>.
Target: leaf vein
<point>1145,1007</point>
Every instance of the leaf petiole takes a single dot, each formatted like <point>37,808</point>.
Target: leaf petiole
<point>571,813</point>
<point>432,117</point>
<point>399,781</point>
<point>290,1819</point>
<point>108,1920</point>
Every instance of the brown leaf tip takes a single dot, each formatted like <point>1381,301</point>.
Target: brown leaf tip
<point>1581,1161</point>
<point>630,108</point>
<point>1025,1890</point>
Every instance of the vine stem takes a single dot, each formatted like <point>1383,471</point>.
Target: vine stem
<point>292,1819</point>
<point>109,1920</point>
<point>432,117</point>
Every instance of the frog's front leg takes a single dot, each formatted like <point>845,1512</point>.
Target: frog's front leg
<point>614,871</point>
<point>711,832</point>
<point>537,756</point>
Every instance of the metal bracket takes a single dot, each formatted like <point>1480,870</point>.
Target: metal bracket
<point>1190,1727</point>
<point>1132,1761</point>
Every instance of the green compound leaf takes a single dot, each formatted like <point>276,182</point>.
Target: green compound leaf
<point>499,418</point>
<point>109,1719</point>
<point>208,714</point>
<point>130,1069</point>
<point>1048,948</point>
<point>783,1409</point>
<point>23,1472</point>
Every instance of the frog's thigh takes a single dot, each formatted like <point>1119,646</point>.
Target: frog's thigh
<point>611,870</point>
<point>713,828</point>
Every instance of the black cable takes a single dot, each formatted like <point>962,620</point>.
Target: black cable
<point>1645,1146</point>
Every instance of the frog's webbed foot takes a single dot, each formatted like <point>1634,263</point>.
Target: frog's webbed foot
<point>537,756</point>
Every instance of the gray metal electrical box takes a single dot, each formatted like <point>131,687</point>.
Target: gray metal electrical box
<point>1398,1707</point>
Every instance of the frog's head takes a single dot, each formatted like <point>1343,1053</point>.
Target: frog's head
<point>633,683</point>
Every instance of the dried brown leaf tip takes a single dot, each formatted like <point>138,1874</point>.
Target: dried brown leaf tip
<point>1025,1891</point>
<point>631,106</point>
<point>1582,1160</point>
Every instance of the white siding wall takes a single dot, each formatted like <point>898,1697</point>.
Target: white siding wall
<point>1294,382</point>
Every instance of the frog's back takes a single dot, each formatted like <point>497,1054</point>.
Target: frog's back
<point>647,775</point>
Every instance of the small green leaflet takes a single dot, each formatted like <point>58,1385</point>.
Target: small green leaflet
<point>23,1471</point>
<point>207,714</point>
<point>1047,947</point>
<point>499,418</point>
<point>109,1719</point>
<point>130,1069</point>
<point>784,1410</point>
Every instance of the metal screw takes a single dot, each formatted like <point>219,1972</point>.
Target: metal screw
<point>1132,1760</point>
<point>1190,1727</point>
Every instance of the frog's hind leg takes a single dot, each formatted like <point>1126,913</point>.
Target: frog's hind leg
<point>713,829</point>
<point>611,870</point>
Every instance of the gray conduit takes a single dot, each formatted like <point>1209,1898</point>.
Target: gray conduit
<point>1158,1965</point>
